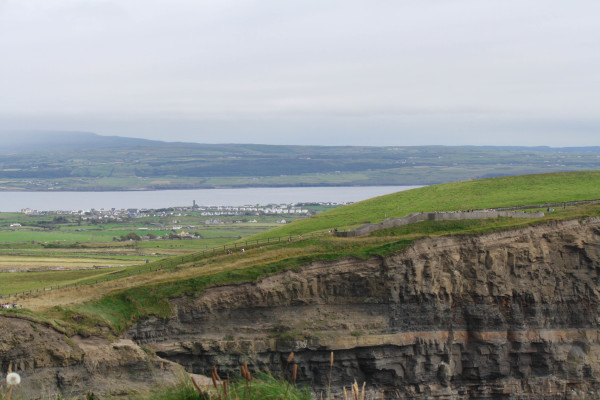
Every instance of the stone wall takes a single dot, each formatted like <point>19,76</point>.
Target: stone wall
<point>366,229</point>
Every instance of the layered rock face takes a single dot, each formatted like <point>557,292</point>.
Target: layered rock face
<point>52,365</point>
<point>508,315</point>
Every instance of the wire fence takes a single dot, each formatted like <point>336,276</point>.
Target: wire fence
<point>172,262</point>
<point>549,205</point>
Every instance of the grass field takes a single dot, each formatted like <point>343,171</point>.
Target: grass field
<point>68,234</point>
<point>19,282</point>
<point>469,195</point>
<point>68,241</point>
<point>46,262</point>
<point>31,254</point>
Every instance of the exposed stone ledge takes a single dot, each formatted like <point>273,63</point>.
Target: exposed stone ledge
<point>51,364</point>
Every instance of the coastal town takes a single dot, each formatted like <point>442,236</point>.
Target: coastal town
<point>208,211</point>
<point>172,223</point>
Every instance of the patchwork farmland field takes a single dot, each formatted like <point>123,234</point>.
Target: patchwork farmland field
<point>38,251</point>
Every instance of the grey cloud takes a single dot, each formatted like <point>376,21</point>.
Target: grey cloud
<point>381,69</point>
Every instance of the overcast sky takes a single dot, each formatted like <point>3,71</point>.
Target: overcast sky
<point>388,72</point>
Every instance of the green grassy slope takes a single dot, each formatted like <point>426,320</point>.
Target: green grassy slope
<point>469,195</point>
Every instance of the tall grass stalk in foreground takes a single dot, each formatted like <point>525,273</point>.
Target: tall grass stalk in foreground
<point>330,374</point>
<point>356,393</point>
<point>294,372</point>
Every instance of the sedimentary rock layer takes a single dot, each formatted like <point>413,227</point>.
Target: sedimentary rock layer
<point>509,314</point>
<point>52,365</point>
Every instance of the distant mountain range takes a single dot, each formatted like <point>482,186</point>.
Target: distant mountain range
<point>34,141</point>
<point>87,161</point>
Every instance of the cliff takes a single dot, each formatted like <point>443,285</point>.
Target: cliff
<point>52,365</point>
<point>505,315</point>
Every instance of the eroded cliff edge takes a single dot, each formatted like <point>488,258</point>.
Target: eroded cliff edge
<point>54,366</point>
<point>511,314</point>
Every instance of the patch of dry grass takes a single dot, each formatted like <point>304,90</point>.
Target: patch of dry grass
<point>40,302</point>
<point>23,262</point>
<point>43,301</point>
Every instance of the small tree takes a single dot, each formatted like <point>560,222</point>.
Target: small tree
<point>130,236</point>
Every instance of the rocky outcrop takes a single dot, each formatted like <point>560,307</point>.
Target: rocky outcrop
<point>52,365</point>
<point>505,315</point>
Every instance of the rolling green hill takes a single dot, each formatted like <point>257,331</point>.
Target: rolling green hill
<point>85,161</point>
<point>469,195</point>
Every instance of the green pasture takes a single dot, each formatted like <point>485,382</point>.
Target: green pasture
<point>51,236</point>
<point>38,280</point>
<point>187,244</point>
<point>44,243</point>
<point>469,195</point>
<point>476,226</point>
<point>69,234</point>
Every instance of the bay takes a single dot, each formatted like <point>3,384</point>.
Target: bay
<point>50,201</point>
